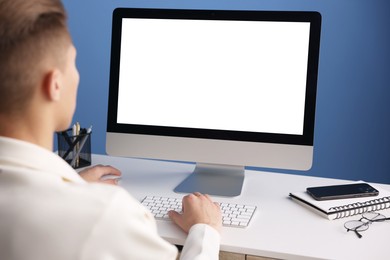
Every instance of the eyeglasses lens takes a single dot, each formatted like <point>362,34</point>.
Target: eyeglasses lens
<point>373,216</point>
<point>356,225</point>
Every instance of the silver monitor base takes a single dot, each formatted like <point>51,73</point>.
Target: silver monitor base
<point>219,180</point>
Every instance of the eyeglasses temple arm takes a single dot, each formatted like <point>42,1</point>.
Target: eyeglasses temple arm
<point>355,231</point>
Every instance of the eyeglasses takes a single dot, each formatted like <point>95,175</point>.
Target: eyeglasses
<point>362,224</point>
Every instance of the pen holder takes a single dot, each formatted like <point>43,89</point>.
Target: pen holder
<point>75,149</point>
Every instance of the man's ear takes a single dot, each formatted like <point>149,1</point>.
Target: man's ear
<point>52,86</point>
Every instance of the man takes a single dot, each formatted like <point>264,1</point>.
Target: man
<point>47,211</point>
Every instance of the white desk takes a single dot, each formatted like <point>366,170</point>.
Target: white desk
<point>281,228</point>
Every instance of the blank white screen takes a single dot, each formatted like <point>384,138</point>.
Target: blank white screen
<point>226,75</point>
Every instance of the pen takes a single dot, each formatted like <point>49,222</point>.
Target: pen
<point>74,139</point>
<point>82,143</point>
<point>77,145</point>
<point>72,146</point>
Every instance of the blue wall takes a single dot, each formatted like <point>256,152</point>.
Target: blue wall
<point>352,132</point>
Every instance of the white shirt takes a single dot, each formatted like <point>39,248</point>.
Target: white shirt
<point>47,211</point>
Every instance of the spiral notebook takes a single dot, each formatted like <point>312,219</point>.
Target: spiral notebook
<point>335,209</point>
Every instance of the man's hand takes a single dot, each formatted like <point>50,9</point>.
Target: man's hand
<point>98,172</point>
<point>198,208</point>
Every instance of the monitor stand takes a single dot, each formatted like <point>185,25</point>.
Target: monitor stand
<point>219,180</point>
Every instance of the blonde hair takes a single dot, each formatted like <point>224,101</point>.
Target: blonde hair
<point>30,32</point>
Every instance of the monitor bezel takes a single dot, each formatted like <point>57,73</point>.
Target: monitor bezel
<point>307,138</point>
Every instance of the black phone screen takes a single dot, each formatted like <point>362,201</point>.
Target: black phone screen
<point>342,191</point>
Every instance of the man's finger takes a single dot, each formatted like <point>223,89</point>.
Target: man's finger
<point>176,218</point>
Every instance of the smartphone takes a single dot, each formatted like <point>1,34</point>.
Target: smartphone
<point>345,191</point>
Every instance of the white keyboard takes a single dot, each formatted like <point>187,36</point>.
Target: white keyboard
<point>233,215</point>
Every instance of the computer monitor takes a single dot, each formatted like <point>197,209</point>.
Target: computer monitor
<point>224,89</point>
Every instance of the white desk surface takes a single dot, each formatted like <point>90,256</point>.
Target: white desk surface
<point>281,228</point>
